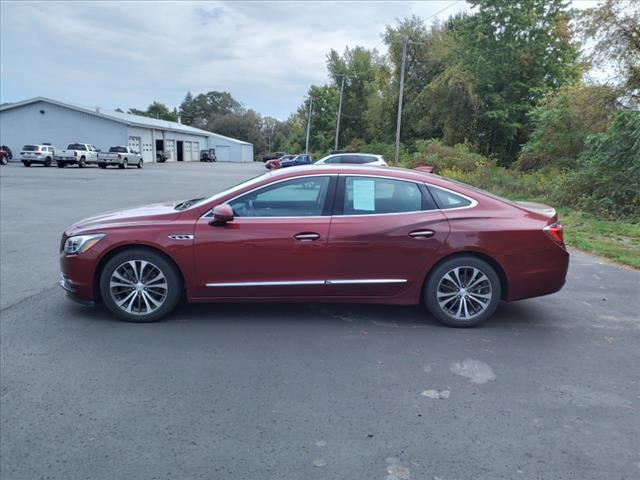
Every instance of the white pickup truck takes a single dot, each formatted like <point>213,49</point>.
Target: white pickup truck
<point>120,156</point>
<point>81,154</point>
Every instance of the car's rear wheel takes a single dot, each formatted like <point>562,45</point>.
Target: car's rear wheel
<point>26,164</point>
<point>140,163</point>
<point>47,162</point>
<point>139,285</point>
<point>123,164</point>
<point>60,164</point>
<point>102,165</point>
<point>82,162</point>
<point>463,291</point>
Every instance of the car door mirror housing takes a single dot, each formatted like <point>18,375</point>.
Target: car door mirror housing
<point>222,214</point>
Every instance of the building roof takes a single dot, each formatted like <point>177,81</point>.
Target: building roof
<point>126,118</point>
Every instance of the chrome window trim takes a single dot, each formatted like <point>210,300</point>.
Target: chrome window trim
<point>296,283</point>
<point>473,201</point>
<point>473,204</point>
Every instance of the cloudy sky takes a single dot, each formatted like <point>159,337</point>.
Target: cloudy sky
<point>127,54</point>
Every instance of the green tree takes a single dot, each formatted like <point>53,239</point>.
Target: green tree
<point>563,120</point>
<point>156,110</point>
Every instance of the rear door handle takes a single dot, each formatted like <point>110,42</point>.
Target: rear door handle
<point>422,234</point>
<point>307,236</point>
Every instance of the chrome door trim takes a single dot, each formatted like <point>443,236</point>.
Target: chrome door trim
<point>291,283</point>
<point>296,283</point>
<point>366,281</point>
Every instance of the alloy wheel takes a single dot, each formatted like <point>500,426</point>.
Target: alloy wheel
<point>464,292</point>
<point>138,287</point>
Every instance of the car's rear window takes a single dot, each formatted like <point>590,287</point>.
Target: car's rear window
<point>76,146</point>
<point>30,148</point>
<point>117,150</point>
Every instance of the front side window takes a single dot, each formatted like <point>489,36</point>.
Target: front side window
<point>371,195</point>
<point>446,199</point>
<point>299,197</point>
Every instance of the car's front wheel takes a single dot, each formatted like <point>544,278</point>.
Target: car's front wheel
<point>463,291</point>
<point>139,285</point>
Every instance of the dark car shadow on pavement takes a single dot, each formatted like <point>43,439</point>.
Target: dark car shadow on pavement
<point>518,314</point>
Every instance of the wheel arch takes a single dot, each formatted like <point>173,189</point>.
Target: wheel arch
<point>121,248</point>
<point>502,276</point>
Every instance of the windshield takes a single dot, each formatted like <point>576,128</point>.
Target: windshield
<point>199,201</point>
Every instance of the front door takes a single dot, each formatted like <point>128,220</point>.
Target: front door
<point>383,235</point>
<point>276,245</point>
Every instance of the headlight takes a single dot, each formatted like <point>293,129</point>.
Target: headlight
<point>81,243</point>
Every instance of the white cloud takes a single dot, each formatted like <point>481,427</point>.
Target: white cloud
<point>127,54</point>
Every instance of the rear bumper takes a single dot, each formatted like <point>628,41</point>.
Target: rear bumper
<point>535,274</point>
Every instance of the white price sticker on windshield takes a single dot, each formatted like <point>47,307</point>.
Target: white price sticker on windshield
<point>364,195</point>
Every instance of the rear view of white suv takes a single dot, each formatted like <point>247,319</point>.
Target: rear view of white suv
<point>31,154</point>
<point>352,159</point>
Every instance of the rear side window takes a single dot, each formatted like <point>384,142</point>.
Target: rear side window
<point>336,159</point>
<point>447,199</point>
<point>371,195</point>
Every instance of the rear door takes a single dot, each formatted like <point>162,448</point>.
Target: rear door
<point>384,234</point>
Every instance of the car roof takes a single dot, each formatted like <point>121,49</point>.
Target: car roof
<point>354,153</point>
<point>375,170</point>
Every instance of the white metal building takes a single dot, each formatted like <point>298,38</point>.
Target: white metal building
<point>42,120</point>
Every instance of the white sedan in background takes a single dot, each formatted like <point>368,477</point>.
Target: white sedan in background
<point>352,159</point>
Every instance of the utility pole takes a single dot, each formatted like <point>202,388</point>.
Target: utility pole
<point>306,148</point>
<point>396,154</point>
<point>339,113</point>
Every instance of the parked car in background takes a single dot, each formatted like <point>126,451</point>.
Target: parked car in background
<point>352,159</point>
<point>4,157</point>
<point>208,155</point>
<point>37,154</point>
<point>120,156</point>
<point>275,162</point>
<point>8,151</point>
<point>316,234</point>
<point>81,154</point>
<point>290,161</point>
<point>272,156</point>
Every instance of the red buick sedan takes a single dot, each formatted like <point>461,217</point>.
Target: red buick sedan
<point>323,234</point>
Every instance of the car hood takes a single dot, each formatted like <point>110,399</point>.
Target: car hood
<point>154,213</point>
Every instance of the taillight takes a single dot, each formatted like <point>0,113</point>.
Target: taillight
<point>38,153</point>
<point>555,233</point>
<point>119,156</point>
<point>75,154</point>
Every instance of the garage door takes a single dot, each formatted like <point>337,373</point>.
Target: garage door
<point>187,151</point>
<point>134,144</point>
<point>222,153</point>
<point>195,155</point>
<point>170,148</point>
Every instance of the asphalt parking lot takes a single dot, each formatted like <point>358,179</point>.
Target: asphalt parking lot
<point>548,389</point>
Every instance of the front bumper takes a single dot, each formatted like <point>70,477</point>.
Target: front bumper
<point>70,289</point>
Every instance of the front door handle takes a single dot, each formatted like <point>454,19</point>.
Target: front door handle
<point>422,234</point>
<point>307,236</point>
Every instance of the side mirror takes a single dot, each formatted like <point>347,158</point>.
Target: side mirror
<point>221,215</point>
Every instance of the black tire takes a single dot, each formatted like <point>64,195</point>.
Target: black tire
<point>466,263</point>
<point>47,162</point>
<point>123,165</point>
<point>60,164</point>
<point>140,163</point>
<point>82,162</point>
<point>168,269</point>
<point>26,164</point>
<point>102,165</point>
<point>4,159</point>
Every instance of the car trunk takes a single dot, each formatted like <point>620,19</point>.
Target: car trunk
<point>540,209</point>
